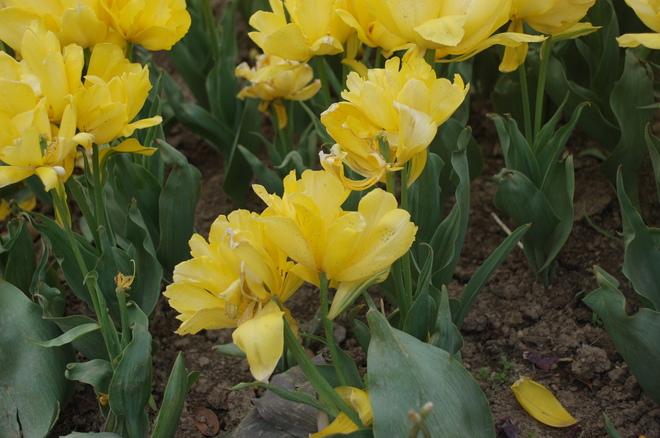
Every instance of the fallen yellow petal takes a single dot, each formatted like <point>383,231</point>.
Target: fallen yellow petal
<point>541,404</point>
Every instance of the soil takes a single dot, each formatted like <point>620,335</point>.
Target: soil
<point>513,315</point>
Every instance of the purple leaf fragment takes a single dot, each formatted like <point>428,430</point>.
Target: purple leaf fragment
<point>575,432</point>
<point>506,428</point>
<point>541,361</point>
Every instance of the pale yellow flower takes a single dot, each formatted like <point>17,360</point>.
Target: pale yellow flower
<point>550,17</point>
<point>315,29</point>
<point>403,103</point>
<point>353,248</point>
<point>112,96</point>
<point>154,24</point>
<point>274,79</point>
<point>649,12</point>
<point>81,22</point>
<point>42,149</point>
<point>449,27</point>
<point>231,282</point>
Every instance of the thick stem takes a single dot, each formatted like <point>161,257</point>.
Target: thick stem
<point>322,387</point>
<point>329,331</point>
<point>540,89</point>
<point>527,110</point>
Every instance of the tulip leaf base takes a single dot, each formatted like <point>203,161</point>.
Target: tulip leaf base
<point>405,373</point>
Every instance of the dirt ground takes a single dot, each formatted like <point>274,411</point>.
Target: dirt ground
<point>512,316</point>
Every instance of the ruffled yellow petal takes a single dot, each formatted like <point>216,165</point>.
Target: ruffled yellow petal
<point>262,340</point>
<point>650,40</point>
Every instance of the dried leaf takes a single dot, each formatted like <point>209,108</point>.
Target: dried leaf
<point>541,404</point>
<point>206,422</point>
<point>541,361</point>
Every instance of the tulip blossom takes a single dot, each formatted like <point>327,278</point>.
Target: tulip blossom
<point>41,148</point>
<point>315,29</point>
<point>649,12</point>
<point>113,94</point>
<point>232,281</point>
<point>154,24</point>
<point>402,104</point>
<point>53,72</point>
<point>81,22</point>
<point>449,27</point>
<point>358,400</point>
<point>548,17</point>
<point>274,79</point>
<point>354,249</point>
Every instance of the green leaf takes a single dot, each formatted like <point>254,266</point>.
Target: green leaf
<point>610,429</point>
<point>641,260</point>
<point>68,337</point>
<point>96,372</point>
<point>635,337</point>
<point>173,399</point>
<point>21,260</point>
<point>653,144</point>
<point>425,214</point>
<point>634,89</point>
<point>32,382</point>
<point>518,154</point>
<point>446,336</point>
<point>483,274</point>
<point>230,350</point>
<point>92,435</point>
<point>266,177</point>
<point>91,345</point>
<point>130,387</point>
<point>177,213</point>
<point>405,373</point>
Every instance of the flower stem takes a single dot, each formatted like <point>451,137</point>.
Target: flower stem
<point>98,200</point>
<point>524,88</point>
<point>540,89</point>
<point>86,209</point>
<point>325,84</point>
<point>329,330</point>
<point>320,384</point>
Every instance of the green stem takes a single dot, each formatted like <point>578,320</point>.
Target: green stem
<point>379,62</point>
<point>405,260</point>
<point>322,387</point>
<point>540,89</point>
<point>101,314</point>
<point>98,199</point>
<point>129,51</point>
<point>123,315</point>
<point>329,330</point>
<point>429,57</point>
<point>210,27</point>
<point>524,88</point>
<point>325,84</point>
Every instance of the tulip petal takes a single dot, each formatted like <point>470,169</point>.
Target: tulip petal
<point>262,340</point>
<point>649,40</point>
<point>447,30</point>
<point>541,404</point>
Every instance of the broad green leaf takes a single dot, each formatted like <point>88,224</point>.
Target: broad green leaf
<point>641,260</point>
<point>130,387</point>
<point>21,260</point>
<point>91,345</point>
<point>67,337</point>
<point>173,399</point>
<point>446,336</point>
<point>450,234</point>
<point>177,213</point>
<point>634,90</point>
<point>518,154</point>
<point>521,200</point>
<point>485,271</point>
<point>266,176</point>
<point>405,373</point>
<point>541,404</point>
<point>635,337</point>
<point>96,372</point>
<point>653,144</point>
<point>32,383</point>
<point>425,214</point>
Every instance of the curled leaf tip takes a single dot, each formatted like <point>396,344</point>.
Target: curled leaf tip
<point>541,404</point>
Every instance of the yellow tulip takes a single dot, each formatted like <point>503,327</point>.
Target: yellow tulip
<point>548,17</point>
<point>42,149</point>
<point>81,22</point>
<point>231,282</point>
<point>113,93</point>
<point>154,24</point>
<point>274,79</point>
<point>53,72</point>
<point>404,104</point>
<point>449,27</point>
<point>358,400</point>
<point>315,29</point>
<point>649,12</point>
<point>354,249</point>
